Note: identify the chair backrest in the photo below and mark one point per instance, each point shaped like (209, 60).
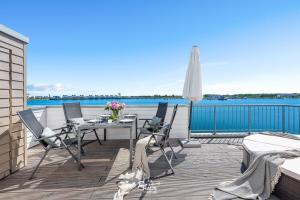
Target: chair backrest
(167, 130)
(162, 111)
(72, 110)
(34, 126)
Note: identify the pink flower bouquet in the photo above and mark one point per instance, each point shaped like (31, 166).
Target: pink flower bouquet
(115, 108)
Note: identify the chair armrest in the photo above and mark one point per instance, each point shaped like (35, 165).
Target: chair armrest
(61, 128)
(166, 125)
(72, 123)
(147, 119)
(42, 138)
(158, 134)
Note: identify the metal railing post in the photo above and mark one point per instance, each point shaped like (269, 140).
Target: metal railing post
(215, 120)
(299, 119)
(260, 118)
(283, 119)
(249, 119)
(294, 121)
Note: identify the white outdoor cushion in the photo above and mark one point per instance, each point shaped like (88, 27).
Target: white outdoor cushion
(263, 143)
(291, 168)
(48, 132)
(78, 121)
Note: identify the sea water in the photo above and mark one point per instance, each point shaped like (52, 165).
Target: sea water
(232, 115)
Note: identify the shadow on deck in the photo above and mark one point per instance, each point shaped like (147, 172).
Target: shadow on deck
(198, 171)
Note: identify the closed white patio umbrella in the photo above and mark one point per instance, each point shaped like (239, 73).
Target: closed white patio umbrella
(192, 90)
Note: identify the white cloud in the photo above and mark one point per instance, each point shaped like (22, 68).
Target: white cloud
(58, 87)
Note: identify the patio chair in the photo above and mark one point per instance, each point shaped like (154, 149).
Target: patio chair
(49, 140)
(74, 117)
(162, 139)
(153, 125)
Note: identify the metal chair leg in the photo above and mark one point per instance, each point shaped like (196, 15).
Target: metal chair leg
(83, 134)
(161, 147)
(40, 162)
(168, 143)
(82, 151)
(97, 137)
(167, 159)
(73, 156)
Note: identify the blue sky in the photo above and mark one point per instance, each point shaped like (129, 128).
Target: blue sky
(142, 47)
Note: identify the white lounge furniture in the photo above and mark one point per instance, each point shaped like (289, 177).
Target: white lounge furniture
(290, 179)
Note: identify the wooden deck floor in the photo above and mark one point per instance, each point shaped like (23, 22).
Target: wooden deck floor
(198, 170)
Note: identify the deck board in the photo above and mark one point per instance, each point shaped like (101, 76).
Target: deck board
(198, 171)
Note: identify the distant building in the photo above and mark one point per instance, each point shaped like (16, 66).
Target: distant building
(55, 97)
(287, 95)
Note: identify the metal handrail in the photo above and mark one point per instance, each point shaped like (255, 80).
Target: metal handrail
(245, 118)
(220, 105)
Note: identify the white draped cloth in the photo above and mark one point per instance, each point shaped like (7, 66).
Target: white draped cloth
(140, 170)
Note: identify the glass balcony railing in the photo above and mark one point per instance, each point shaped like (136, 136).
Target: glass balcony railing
(245, 118)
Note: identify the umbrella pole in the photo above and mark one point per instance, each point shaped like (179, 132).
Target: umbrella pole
(190, 120)
(188, 143)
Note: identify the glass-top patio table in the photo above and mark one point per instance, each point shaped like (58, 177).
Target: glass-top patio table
(105, 125)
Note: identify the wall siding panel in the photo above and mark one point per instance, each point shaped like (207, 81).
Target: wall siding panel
(12, 90)
(17, 101)
(4, 148)
(4, 167)
(17, 76)
(17, 85)
(16, 127)
(15, 51)
(4, 158)
(4, 112)
(4, 121)
(4, 84)
(17, 135)
(4, 103)
(12, 42)
(4, 94)
(17, 163)
(17, 93)
(3, 133)
(4, 75)
(4, 50)
(17, 60)
(4, 56)
(16, 109)
(17, 68)
(4, 66)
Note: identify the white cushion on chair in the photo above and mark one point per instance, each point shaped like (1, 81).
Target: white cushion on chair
(78, 121)
(47, 133)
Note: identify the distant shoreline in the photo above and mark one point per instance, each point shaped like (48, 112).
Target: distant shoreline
(206, 96)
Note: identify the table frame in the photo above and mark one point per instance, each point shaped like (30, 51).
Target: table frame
(105, 126)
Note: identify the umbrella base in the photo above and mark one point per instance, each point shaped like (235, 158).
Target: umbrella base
(192, 143)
